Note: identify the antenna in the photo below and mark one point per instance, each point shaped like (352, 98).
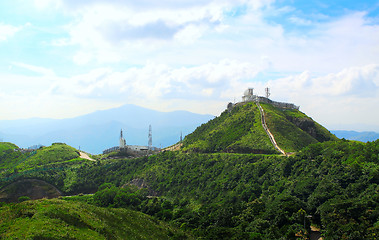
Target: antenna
(267, 90)
(150, 143)
(122, 140)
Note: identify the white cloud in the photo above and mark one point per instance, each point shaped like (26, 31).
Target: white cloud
(202, 33)
(337, 100)
(159, 81)
(46, 4)
(190, 34)
(300, 21)
(37, 69)
(112, 32)
(7, 31)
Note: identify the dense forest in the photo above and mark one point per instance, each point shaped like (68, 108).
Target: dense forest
(331, 185)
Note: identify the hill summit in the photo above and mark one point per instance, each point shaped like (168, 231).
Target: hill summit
(241, 129)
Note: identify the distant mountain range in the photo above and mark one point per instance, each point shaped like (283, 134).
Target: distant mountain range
(100, 130)
(359, 136)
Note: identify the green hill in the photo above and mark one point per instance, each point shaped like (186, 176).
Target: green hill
(241, 131)
(59, 219)
(44, 163)
(294, 130)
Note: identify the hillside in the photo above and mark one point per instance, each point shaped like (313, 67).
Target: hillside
(17, 164)
(242, 196)
(241, 131)
(294, 130)
(58, 219)
(237, 131)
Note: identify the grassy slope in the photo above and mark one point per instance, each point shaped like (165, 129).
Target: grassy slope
(55, 154)
(285, 125)
(307, 124)
(241, 131)
(237, 131)
(16, 165)
(6, 146)
(58, 219)
(8, 157)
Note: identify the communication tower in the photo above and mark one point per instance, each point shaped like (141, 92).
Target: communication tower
(181, 137)
(267, 90)
(150, 143)
(122, 141)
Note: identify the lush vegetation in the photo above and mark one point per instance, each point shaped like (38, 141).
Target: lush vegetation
(248, 196)
(43, 163)
(59, 219)
(293, 130)
(238, 131)
(269, 197)
(216, 188)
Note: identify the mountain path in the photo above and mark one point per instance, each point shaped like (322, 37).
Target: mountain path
(85, 156)
(175, 147)
(272, 139)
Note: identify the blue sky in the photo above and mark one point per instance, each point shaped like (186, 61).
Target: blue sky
(62, 59)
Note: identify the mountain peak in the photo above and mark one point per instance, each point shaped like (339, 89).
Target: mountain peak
(239, 129)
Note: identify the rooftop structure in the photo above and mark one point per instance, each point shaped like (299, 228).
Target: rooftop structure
(133, 149)
(249, 96)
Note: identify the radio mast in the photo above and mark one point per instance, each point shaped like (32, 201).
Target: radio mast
(267, 90)
(150, 143)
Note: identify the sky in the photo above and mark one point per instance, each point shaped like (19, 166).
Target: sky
(65, 58)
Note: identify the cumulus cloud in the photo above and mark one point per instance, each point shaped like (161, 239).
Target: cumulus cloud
(337, 100)
(333, 99)
(113, 31)
(159, 81)
(354, 81)
(190, 33)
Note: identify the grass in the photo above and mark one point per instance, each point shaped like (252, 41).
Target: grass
(287, 135)
(16, 162)
(59, 219)
(237, 131)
